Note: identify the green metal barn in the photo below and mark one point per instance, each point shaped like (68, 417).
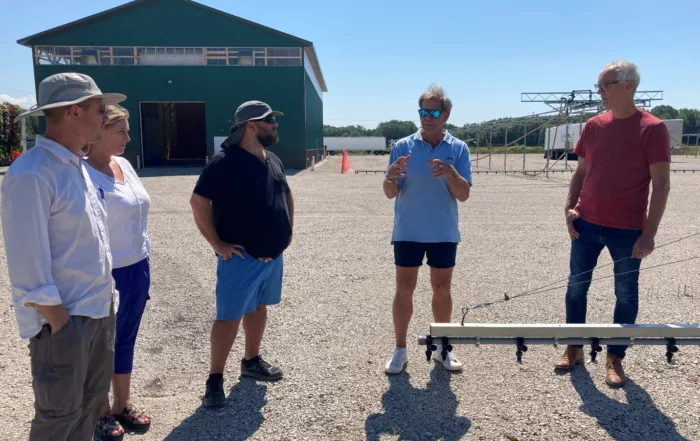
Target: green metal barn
(185, 68)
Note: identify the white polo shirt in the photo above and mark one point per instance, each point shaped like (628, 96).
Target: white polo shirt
(55, 237)
(127, 206)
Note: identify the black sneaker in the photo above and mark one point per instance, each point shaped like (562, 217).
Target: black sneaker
(214, 395)
(260, 369)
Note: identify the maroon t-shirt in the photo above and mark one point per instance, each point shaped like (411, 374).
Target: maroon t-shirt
(618, 153)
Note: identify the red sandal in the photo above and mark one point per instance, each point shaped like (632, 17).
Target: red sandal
(133, 420)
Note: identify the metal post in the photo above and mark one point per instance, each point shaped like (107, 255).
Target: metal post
(505, 150)
(524, 146)
(697, 137)
(548, 149)
(566, 148)
(490, 139)
(23, 141)
(580, 128)
(477, 148)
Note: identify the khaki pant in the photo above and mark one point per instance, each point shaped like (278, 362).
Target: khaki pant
(71, 373)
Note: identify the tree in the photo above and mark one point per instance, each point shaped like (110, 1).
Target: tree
(664, 112)
(395, 129)
(495, 130)
(691, 120)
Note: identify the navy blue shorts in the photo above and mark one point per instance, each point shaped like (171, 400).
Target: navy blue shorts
(133, 283)
(411, 254)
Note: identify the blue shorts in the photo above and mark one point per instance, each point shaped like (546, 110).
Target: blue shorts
(243, 284)
(411, 254)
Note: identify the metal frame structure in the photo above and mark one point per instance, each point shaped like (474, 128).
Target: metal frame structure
(522, 335)
(586, 101)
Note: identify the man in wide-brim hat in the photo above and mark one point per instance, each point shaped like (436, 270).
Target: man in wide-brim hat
(59, 260)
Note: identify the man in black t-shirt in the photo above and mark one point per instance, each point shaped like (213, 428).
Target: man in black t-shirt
(243, 207)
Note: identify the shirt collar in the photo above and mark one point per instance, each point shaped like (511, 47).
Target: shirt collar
(448, 138)
(59, 151)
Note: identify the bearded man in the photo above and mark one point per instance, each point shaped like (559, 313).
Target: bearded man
(243, 207)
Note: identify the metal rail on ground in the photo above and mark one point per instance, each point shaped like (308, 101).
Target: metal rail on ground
(495, 171)
(522, 335)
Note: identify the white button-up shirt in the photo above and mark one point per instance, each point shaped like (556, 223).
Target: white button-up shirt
(55, 237)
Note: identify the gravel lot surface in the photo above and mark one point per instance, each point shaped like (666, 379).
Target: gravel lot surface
(333, 333)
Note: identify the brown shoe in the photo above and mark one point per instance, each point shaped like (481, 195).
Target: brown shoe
(572, 356)
(614, 374)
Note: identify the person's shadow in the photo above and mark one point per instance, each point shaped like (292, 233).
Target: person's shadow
(239, 419)
(638, 419)
(419, 414)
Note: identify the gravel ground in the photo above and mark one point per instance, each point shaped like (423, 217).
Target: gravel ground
(332, 333)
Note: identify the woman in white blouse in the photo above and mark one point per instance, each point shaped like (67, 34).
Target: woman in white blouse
(127, 204)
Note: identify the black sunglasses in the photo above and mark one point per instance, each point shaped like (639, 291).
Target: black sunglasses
(270, 119)
(435, 113)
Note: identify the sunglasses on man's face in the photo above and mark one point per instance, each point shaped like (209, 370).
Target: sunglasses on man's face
(435, 113)
(269, 119)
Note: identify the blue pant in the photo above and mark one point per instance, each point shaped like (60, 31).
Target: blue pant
(584, 257)
(243, 284)
(133, 283)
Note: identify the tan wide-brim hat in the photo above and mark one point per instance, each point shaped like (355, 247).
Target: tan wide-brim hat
(67, 89)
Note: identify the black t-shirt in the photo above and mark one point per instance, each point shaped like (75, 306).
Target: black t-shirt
(249, 200)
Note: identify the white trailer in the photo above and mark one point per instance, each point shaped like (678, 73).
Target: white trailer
(560, 139)
(369, 144)
(675, 131)
(567, 136)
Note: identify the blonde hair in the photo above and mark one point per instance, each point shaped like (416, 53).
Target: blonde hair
(435, 92)
(115, 113)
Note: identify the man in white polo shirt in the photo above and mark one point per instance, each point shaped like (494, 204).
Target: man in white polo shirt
(59, 261)
(428, 173)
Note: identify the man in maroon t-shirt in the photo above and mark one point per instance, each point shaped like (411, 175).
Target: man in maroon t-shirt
(620, 152)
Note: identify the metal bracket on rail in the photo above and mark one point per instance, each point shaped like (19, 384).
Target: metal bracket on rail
(430, 347)
(595, 348)
(520, 342)
(671, 349)
(446, 347)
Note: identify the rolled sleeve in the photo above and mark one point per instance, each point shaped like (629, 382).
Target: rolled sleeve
(26, 208)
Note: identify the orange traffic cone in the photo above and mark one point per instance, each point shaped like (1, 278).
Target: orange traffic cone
(345, 166)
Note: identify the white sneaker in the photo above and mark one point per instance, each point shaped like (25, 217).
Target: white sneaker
(450, 363)
(398, 361)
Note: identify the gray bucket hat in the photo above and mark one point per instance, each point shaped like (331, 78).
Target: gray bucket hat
(67, 89)
(248, 111)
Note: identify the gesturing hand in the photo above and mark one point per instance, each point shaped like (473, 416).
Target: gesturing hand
(227, 250)
(398, 168)
(440, 169)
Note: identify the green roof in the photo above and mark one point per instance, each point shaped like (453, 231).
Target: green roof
(308, 46)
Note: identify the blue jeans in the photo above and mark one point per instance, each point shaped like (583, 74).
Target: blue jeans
(584, 257)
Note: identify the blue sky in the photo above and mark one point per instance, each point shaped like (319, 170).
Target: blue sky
(378, 56)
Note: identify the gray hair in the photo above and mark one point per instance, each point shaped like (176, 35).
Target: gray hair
(626, 71)
(435, 92)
